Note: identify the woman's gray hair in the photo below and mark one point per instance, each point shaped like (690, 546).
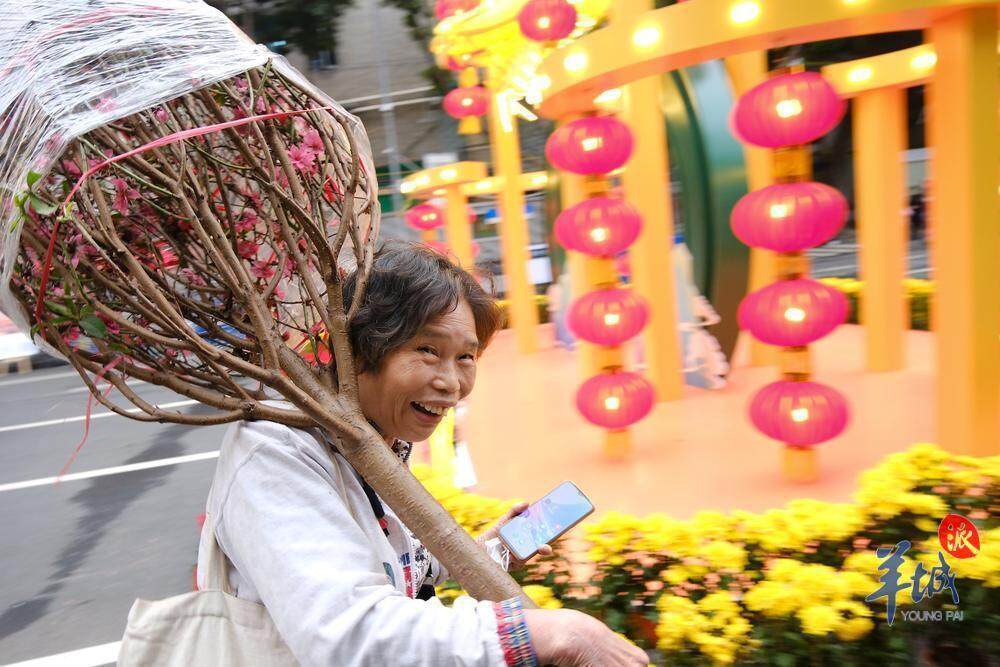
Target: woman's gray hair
(410, 284)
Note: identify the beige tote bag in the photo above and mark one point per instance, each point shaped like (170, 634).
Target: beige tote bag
(211, 627)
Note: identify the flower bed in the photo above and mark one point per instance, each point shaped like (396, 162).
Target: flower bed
(786, 586)
(918, 295)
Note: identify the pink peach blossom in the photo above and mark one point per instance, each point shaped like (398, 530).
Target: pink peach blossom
(302, 158)
(123, 193)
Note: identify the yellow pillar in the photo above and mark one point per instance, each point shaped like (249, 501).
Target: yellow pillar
(457, 228)
(513, 227)
(646, 181)
(879, 141)
(572, 190)
(966, 137)
(467, 78)
(442, 448)
(799, 464)
(746, 70)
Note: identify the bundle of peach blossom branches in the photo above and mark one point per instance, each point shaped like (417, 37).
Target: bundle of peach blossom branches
(198, 241)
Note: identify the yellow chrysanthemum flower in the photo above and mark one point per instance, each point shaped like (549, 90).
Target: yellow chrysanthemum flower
(542, 596)
(854, 629)
(724, 555)
(819, 619)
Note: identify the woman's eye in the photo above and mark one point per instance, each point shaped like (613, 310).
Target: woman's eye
(428, 350)
(468, 357)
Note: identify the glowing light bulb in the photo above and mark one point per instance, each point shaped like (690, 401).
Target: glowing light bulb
(800, 415)
(541, 179)
(591, 143)
(449, 174)
(406, 186)
(599, 234)
(788, 108)
(779, 210)
(466, 101)
(612, 319)
(925, 60)
(646, 36)
(794, 314)
(860, 74)
(609, 96)
(612, 403)
(440, 192)
(544, 22)
(575, 62)
(483, 185)
(744, 12)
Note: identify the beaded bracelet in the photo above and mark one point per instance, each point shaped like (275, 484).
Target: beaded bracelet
(513, 631)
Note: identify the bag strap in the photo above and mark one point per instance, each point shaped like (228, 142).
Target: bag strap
(217, 565)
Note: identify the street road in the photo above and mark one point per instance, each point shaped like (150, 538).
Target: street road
(838, 259)
(76, 554)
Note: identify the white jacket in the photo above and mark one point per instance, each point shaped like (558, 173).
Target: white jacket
(303, 540)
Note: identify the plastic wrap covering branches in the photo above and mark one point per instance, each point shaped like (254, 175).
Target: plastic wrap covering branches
(176, 196)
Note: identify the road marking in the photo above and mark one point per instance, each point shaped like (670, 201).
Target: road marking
(84, 657)
(116, 470)
(39, 378)
(80, 418)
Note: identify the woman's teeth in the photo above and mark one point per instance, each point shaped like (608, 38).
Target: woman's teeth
(430, 409)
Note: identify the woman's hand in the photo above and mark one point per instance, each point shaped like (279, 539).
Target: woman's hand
(569, 638)
(492, 531)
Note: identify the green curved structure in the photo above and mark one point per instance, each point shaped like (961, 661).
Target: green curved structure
(707, 164)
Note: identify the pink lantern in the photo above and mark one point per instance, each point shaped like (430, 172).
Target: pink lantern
(789, 217)
(443, 248)
(790, 313)
(616, 399)
(592, 145)
(468, 101)
(424, 217)
(787, 110)
(547, 20)
(799, 413)
(599, 226)
(445, 8)
(608, 317)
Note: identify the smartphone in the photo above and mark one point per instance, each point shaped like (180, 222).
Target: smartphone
(544, 520)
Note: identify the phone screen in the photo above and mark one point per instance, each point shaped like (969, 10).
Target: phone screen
(545, 519)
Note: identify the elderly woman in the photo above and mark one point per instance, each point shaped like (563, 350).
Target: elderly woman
(345, 582)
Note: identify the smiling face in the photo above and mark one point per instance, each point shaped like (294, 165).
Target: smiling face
(427, 375)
